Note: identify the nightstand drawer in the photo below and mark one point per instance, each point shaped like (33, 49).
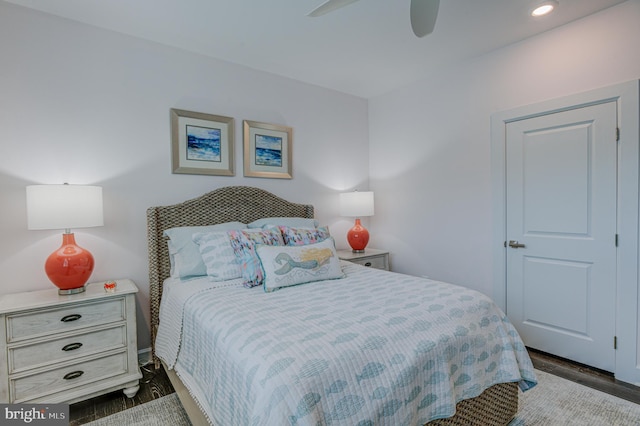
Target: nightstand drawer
(44, 322)
(49, 352)
(377, 262)
(371, 258)
(52, 381)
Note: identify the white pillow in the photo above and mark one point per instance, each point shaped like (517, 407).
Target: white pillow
(285, 266)
(218, 256)
(184, 253)
(294, 222)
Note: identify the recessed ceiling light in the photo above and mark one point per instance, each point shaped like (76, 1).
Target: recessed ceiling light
(544, 8)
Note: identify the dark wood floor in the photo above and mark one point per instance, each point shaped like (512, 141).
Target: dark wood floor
(585, 375)
(155, 384)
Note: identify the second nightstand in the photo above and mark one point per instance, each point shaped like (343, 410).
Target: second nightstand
(371, 257)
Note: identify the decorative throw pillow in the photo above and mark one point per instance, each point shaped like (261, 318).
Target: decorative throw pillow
(303, 236)
(218, 256)
(300, 222)
(184, 253)
(244, 244)
(291, 265)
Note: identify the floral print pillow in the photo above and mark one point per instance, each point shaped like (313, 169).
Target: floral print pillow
(303, 236)
(244, 244)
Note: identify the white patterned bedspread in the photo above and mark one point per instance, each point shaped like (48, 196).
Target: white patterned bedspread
(374, 348)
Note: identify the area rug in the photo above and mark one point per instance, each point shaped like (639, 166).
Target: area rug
(555, 401)
(164, 411)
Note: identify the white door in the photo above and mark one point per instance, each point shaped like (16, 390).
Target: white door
(561, 173)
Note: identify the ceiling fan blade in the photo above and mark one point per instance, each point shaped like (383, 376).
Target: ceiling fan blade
(423, 16)
(329, 6)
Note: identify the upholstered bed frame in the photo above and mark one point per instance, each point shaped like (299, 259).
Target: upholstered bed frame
(496, 406)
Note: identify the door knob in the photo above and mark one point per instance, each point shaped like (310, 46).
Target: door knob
(515, 244)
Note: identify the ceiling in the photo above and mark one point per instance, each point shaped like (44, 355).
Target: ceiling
(364, 49)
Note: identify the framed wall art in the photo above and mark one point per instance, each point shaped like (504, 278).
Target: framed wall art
(201, 143)
(267, 150)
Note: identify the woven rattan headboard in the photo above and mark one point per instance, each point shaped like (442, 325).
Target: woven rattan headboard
(233, 203)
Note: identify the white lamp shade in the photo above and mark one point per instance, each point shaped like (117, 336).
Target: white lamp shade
(356, 204)
(64, 206)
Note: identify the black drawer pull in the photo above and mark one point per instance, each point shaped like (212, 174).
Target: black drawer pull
(72, 347)
(69, 318)
(367, 264)
(73, 375)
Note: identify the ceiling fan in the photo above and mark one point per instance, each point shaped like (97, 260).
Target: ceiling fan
(423, 13)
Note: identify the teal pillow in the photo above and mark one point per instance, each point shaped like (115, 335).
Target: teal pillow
(184, 254)
(296, 222)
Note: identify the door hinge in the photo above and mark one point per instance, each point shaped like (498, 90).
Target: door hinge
(616, 240)
(617, 134)
(615, 342)
(505, 244)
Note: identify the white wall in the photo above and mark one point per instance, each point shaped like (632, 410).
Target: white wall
(87, 106)
(430, 143)
(84, 105)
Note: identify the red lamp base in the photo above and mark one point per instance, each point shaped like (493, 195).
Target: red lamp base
(70, 266)
(358, 237)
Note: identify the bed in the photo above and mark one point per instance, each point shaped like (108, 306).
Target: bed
(330, 351)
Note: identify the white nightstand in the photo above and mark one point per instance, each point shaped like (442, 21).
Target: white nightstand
(371, 257)
(64, 349)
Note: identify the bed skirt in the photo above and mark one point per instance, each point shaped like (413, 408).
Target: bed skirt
(496, 406)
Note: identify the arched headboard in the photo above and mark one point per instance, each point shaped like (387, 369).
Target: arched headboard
(232, 203)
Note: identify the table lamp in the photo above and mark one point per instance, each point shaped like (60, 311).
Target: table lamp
(65, 207)
(357, 204)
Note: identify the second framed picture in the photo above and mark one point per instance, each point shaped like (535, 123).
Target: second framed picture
(267, 150)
